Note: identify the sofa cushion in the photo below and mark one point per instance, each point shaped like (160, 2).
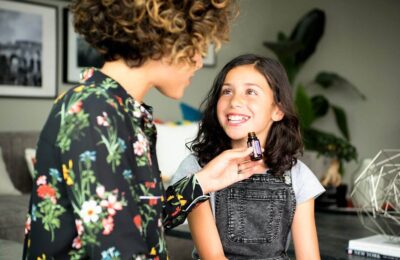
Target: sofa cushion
(30, 158)
(14, 209)
(171, 149)
(10, 250)
(6, 185)
(13, 145)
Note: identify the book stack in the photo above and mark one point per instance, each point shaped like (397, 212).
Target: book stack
(378, 246)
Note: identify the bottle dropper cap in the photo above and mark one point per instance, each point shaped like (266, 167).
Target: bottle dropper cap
(251, 134)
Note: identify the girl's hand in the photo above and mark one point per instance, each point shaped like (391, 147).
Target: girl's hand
(227, 168)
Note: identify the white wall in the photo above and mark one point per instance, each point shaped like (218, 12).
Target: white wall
(361, 43)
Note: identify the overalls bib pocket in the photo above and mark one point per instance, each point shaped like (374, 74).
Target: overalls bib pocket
(254, 215)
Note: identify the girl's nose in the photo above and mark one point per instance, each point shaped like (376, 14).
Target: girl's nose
(237, 100)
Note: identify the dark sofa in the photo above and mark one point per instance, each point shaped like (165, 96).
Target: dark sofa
(14, 208)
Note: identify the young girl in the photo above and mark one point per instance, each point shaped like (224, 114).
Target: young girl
(253, 218)
(97, 191)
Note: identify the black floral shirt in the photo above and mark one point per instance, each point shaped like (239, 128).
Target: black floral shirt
(97, 189)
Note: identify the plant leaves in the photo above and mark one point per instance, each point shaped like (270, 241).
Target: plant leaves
(341, 120)
(329, 145)
(320, 105)
(327, 79)
(293, 52)
(331, 79)
(285, 52)
(304, 107)
(284, 49)
(308, 32)
(282, 37)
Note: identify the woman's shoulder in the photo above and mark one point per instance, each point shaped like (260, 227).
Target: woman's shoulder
(84, 93)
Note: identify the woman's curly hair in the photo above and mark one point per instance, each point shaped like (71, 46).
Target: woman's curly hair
(283, 144)
(138, 30)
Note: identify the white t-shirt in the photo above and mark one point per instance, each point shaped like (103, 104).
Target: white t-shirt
(305, 185)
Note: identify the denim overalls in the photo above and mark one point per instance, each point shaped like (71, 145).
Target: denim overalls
(254, 217)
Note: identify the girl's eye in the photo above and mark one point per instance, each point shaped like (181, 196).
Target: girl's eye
(226, 91)
(251, 91)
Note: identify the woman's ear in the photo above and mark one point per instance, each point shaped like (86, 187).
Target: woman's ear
(277, 114)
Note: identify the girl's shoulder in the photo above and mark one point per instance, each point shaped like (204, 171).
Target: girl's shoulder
(300, 168)
(304, 182)
(301, 173)
(189, 162)
(188, 166)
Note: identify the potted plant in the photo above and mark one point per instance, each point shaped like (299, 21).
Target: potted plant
(293, 52)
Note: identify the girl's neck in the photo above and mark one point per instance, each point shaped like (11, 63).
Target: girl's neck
(242, 143)
(238, 143)
(136, 81)
(262, 168)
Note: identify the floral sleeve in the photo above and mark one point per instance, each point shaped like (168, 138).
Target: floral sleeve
(180, 199)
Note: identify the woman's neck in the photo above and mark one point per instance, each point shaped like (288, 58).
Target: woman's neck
(136, 81)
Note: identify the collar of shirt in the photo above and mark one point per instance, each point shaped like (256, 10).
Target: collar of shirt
(94, 75)
(142, 112)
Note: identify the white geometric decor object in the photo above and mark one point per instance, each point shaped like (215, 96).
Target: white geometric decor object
(376, 194)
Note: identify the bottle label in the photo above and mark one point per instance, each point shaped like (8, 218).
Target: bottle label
(256, 148)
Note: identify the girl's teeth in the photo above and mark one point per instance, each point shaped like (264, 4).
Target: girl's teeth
(237, 118)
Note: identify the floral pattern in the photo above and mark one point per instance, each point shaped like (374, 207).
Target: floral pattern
(97, 191)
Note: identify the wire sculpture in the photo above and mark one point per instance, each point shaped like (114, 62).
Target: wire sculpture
(376, 194)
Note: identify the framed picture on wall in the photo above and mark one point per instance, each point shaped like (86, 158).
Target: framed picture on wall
(28, 50)
(77, 53)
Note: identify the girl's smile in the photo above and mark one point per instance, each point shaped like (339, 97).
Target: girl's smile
(237, 119)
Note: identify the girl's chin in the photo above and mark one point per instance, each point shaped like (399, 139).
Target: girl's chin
(237, 137)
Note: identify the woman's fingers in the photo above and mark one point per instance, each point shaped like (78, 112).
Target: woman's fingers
(248, 165)
(245, 175)
(229, 167)
(239, 153)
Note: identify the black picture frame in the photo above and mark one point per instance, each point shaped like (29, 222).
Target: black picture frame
(77, 53)
(28, 50)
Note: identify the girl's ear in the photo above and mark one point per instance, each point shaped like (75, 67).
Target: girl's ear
(277, 114)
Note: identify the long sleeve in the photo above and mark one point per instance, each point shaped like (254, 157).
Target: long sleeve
(181, 197)
(184, 193)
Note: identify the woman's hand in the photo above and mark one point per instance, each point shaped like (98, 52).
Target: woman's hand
(227, 168)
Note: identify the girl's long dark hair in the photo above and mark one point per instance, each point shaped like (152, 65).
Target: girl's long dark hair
(283, 144)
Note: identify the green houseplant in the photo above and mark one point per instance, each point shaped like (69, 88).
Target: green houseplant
(293, 52)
